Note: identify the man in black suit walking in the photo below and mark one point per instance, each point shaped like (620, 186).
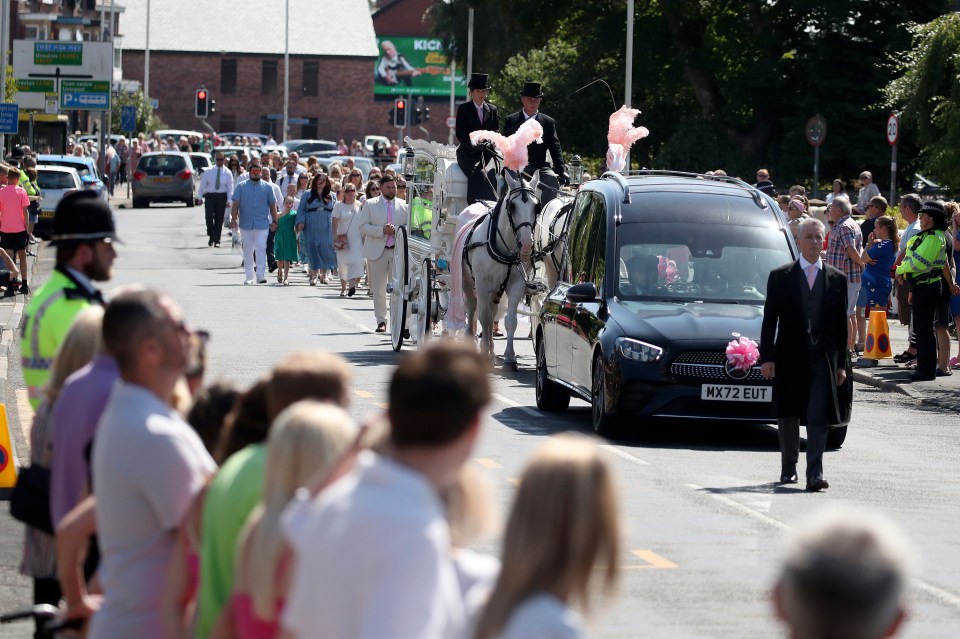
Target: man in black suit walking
(550, 177)
(803, 348)
(477, 115)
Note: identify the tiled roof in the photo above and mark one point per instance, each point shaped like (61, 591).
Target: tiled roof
(327, 28)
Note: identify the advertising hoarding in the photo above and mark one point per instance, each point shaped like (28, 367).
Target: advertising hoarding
(414, 66)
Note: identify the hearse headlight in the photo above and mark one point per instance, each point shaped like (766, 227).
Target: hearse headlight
(638, 351)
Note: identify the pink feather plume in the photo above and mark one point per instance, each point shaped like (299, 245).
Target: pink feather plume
(513, 148)
(621, 135)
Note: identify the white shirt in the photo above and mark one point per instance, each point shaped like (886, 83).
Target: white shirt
(912, 229)
(804, 264)
(283, 179)
(148, 466)
(372, 559)
(208, 182)
(543, 616)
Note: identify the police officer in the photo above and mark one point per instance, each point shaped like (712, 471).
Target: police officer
(550, 176)
(83, 235)
(476, 115)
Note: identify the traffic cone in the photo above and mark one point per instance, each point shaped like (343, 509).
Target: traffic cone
(9, 466)
(877, 344)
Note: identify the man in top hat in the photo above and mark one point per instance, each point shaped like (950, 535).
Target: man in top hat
(83, 235)
(550, 177)
(476, 115)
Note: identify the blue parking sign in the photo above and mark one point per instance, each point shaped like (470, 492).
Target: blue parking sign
(9, 118)
(128, 118)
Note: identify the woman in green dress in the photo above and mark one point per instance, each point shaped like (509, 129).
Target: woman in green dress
(285, 243)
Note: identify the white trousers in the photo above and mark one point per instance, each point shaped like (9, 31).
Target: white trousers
(379, 273)
(254, 247)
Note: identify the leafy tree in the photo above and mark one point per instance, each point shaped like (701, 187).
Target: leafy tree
(928, 93)
(146, 119)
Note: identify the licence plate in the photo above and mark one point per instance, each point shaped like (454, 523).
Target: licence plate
(725, 393)
(46, 213)
(162, 179)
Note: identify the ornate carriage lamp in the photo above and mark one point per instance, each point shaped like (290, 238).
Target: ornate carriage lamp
(576, 172)
(409, 164)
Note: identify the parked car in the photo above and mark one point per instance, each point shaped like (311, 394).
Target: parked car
(164, 176)
(928, 189)
(201, 162)
(176, 134)
(114, 138)
(231, 136)
(227, 151)
(370, 143)
(311, 147)
(54, 183)
(364, 164)
(278, 148)
(84, 165)
(637, 349)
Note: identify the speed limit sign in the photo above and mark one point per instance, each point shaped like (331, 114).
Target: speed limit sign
(893, 129)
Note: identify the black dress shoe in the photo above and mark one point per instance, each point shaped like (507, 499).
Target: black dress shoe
(943, 373)
(209, 242)
(788, 477)
(816, 485)
(921, 377)
(382, 327)
(216, 245)
(351, 291)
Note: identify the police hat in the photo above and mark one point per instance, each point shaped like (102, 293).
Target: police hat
(82, 217)
(937, 212)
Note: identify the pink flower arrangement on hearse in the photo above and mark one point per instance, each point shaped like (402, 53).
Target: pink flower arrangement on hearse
(621, 135)
(743, 353)
(667, 270)
(514, 147)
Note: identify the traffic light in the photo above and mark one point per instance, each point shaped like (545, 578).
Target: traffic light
(203, 103)
(399, 112)
(213, 107)
(390, 115)
(426, 113)
(418, 115)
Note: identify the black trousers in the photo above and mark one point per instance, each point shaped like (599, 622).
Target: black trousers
(818, 420)
(271, 260)
(215, 206)
(926, 298)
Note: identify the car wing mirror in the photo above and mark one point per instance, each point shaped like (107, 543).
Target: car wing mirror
(584, 292)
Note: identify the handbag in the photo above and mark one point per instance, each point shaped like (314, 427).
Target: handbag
(30, 501)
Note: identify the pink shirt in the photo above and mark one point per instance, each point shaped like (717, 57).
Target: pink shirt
(13, 199)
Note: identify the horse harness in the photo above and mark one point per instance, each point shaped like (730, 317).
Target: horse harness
(508, 260)
(563, 218)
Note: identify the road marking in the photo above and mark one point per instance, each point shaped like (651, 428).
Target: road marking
(510, 402)
(945, 597)
(654, 561)
(361, 393)
(486, 462)
(25, 415)
(624, 454)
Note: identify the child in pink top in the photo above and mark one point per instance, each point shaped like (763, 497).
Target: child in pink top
(13, 218)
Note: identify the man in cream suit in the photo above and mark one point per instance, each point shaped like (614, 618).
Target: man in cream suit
(378, 221)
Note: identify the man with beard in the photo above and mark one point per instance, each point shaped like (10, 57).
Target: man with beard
(255, 214)
(83, 234)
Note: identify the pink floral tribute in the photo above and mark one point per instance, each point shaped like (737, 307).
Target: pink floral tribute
(667, 270)
(621, 135)
(743, 353)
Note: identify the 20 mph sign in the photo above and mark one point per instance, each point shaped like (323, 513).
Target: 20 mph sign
(893, 129)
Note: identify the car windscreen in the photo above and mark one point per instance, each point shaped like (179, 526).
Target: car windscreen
(669, 261)
(81, 168)
(155, 164)
(55, 180)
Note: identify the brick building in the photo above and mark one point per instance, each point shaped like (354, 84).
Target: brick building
(235, 48)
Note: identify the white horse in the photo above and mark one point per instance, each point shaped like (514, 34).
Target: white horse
(497, 260)
(550, 237)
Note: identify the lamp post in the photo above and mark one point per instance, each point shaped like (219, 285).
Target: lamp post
(628, 70)
(146, 61)
(4, 19)
(286, 74)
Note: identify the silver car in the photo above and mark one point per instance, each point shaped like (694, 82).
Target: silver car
(164, 176)
(54, 182)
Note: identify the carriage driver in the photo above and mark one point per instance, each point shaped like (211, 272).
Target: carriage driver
(476, 115)
(550, 178)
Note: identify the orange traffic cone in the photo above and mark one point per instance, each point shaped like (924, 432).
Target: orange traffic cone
(877, 345)
(9, 466)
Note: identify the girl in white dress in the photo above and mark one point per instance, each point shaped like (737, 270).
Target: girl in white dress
(347, 241)
(545, 574)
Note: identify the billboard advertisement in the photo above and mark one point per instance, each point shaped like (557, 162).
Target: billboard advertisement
(414, 66)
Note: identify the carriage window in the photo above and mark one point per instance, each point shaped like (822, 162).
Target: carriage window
(421, 209)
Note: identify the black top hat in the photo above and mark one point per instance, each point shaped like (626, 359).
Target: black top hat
(479, 81)
(531, 90)
(937, 212)
(82, 217)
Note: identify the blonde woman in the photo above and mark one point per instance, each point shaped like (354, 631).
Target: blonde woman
(307, 438)
(567, 486)
(82, 341)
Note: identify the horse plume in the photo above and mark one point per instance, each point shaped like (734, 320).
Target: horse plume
(513, 148)
(621, 135)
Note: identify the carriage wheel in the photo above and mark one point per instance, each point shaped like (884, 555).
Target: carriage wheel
(425, 304)
(398, 290)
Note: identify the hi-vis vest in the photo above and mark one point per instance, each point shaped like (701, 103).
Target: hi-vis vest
(46, 321)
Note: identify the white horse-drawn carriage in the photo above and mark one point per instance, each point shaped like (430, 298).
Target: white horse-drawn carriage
(513, 250)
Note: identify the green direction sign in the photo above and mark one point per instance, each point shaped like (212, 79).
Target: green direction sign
(35, 86)
(84, 94)
(58, 53)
